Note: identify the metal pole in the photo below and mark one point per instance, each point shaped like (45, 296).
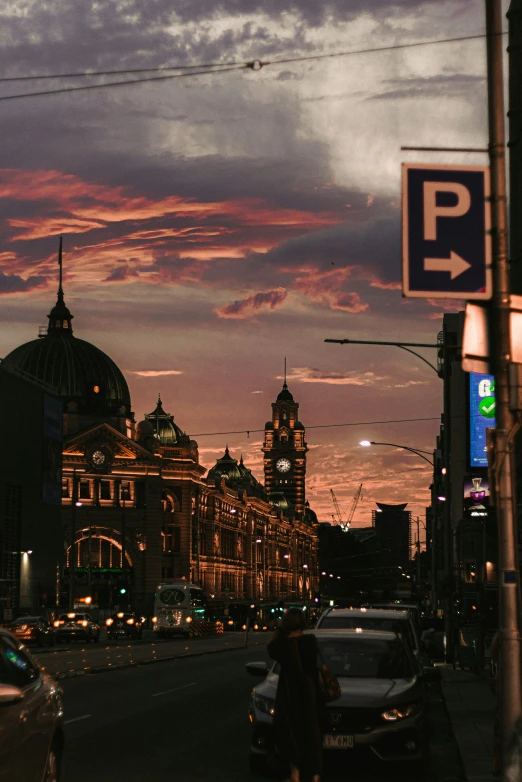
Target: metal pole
(418, 554)
(74, 495)
(89, 571)
(509, 690)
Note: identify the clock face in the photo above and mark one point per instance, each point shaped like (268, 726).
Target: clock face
(283, 465)
(98, 458)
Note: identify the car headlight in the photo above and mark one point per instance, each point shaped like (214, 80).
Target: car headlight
(130, 621)
(84, 623)
(109, 621)
(264, 704)
(400, 712)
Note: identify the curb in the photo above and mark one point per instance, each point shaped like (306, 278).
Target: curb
(122, 666)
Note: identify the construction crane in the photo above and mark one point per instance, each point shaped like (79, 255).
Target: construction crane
(356, 498)
(338, 516)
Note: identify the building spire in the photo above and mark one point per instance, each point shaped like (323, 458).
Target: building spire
(60, 264)
(60, 317)
(284, 384)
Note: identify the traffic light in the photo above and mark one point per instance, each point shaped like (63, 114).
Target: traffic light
(122, 590)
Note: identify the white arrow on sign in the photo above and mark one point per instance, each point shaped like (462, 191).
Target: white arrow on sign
(455, 265)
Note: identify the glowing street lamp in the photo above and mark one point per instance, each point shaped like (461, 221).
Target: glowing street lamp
(417, 451)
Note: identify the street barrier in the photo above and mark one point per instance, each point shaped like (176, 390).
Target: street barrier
(205, 629)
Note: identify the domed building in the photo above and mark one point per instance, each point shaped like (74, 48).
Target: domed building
(136, 508)
(90, 384)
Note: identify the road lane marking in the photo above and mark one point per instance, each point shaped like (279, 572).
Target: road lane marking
(77, 719)
(182, 687)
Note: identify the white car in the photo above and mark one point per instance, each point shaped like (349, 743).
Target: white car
(74, 625)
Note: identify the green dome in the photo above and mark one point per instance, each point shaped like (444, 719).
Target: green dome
(80, 372)
(164, 428)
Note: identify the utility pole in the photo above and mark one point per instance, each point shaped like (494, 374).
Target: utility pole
(418, 576)
(74, 495)
(509, 681)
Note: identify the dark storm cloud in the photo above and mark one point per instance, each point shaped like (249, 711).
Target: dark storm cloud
(441, 86)
(11, 283)
(252, 304)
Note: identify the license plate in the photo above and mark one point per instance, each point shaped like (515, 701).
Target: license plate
(338, 742)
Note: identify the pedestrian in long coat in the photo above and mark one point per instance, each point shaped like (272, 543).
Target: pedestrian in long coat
(298, 709)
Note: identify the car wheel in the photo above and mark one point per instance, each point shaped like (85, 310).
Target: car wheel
(52, 768)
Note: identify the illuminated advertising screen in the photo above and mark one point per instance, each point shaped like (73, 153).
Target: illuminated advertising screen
(481, 416)
(476, 496)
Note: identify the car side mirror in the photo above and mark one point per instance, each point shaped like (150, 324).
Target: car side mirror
(257, 669)
(10, 695)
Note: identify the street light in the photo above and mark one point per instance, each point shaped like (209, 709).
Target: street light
(404, 345)
(418, 451)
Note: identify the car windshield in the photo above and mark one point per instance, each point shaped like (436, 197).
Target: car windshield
(28, 620)
(371, 623)
(72, 617)
(366, 658)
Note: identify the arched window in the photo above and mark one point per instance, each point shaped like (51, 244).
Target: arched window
(58, 324)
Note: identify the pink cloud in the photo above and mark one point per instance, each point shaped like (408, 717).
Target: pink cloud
(154, 372)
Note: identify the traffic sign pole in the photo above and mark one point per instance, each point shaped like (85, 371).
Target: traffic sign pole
(502, 463)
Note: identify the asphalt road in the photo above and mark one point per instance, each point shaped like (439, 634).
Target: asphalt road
(186, 720)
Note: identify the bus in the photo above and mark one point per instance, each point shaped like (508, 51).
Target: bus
(176, 606)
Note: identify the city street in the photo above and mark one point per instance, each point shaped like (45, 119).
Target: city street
(187, 720)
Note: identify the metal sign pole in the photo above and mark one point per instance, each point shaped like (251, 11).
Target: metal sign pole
(509, 691)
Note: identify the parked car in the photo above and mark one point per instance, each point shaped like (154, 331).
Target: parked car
(32, 629)
(124, 625)
(377, 619)
(400, 606)
(31, 708)
(74, 625)
(382, 709)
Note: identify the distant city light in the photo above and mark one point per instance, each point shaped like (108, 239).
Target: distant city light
(441, 498)
(444, 471)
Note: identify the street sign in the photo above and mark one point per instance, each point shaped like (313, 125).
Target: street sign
(446, 242)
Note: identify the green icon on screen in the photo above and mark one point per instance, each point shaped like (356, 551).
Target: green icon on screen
(487, 407)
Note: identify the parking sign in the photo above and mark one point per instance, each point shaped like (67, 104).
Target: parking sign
(446, 242)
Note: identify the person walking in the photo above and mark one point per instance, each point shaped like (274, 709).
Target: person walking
(298, 708)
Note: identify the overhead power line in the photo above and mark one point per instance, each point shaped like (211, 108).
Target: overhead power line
(201, 70)
(248, 432)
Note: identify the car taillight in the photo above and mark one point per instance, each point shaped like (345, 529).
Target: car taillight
(130, 621)
(58, 622)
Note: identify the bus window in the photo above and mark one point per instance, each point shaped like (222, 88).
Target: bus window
(172, 597)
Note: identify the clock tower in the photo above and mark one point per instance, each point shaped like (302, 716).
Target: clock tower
(285, 454)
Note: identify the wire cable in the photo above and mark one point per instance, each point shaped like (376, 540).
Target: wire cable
(255, 65)
(248, 432)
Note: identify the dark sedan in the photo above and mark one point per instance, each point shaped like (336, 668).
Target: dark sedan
(32, 629)
(124, 625)
(382, 709)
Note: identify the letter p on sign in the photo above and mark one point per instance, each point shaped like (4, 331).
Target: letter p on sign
(446, 242)
(432, 211)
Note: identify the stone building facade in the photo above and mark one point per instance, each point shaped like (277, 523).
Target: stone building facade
(137, 508)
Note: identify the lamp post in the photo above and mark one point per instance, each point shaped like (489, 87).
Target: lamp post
(74, 504)
(417, 451)
(403, 345)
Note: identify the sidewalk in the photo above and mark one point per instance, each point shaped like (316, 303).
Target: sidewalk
(471, 707)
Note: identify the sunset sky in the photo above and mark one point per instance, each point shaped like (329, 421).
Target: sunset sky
(214, 224)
